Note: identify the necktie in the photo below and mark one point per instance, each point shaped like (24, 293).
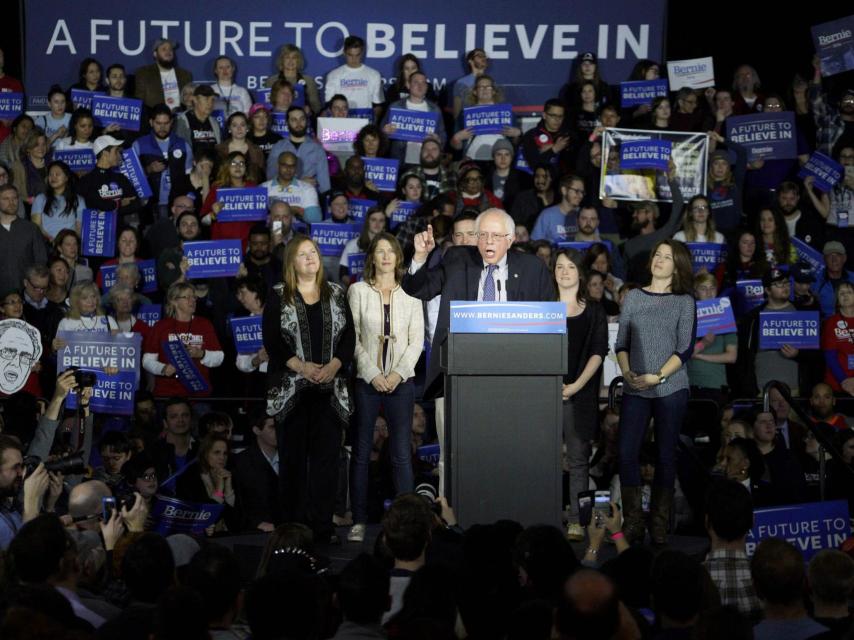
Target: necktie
(489, 284)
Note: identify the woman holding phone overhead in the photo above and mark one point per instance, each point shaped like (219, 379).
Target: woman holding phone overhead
(656, 338)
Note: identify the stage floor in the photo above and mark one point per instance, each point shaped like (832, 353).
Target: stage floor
(249, 548)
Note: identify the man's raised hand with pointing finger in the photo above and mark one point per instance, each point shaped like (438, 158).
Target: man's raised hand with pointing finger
(424, 244)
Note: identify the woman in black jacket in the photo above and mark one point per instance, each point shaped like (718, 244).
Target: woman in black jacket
(587, 332)
(208, 481)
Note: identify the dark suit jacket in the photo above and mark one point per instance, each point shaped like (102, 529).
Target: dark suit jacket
(257, 487)
(149, 88)
(457, 278)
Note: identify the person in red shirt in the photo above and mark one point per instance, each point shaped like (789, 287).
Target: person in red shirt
(232, 173)
(195, 332)
(837, 341)
(8, 84)
(470, 193)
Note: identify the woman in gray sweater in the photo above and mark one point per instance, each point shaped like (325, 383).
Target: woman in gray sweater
(658, 328)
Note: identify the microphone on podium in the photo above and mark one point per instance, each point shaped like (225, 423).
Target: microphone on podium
(498, 289)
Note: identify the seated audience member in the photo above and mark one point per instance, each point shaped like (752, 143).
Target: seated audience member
(779, 578)
(830, 575)
(729, 518)
(789, 430)
(560, 222)
(363, 597)
(214, 573)
(143, 474)
(256, 478)
(209, 481)
(785, 474)
(822, 405)
(176, 448)
(742, 461)
(115, 452)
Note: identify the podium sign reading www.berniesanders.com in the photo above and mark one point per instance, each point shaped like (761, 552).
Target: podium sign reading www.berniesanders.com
(810, 527)
(798, 329)
(507, 317)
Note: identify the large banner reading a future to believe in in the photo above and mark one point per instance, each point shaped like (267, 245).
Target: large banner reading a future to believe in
(531, 47)
(623, 177)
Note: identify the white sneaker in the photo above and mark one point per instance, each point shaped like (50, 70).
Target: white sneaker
(574, 532)
(357, 533)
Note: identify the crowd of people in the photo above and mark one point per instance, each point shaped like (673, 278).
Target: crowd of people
(327, 422)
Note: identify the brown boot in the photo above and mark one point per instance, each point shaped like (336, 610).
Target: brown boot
(633, 527)
(660, 508)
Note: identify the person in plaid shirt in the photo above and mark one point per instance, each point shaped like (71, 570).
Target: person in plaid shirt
(831, 122)
(729, 518)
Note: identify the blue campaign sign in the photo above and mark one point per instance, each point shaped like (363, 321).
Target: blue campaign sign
(82, 99)
(798, 329)
(11, 105)
(242, 204)
(279, 123)
(98, 233)
(834, 44)
(639, 92)
(147, 272)
(263, 96)
(332, 236)
(412, 126)
(809, 255)
(356, 266)
(825, 170)
(82, 160)
(382, 172)
(150, 314)
(767, 136)
(534, 48)
(357, 208)
(247, 334)
(715, 316)
(809, 527)
(645, 154)
(113, 394)
(749, 294)
(428, 453)
(100, 350)
(125, 112)
(572, 244)
(521, 163)
(706, 254)
(507, 317)
(186, 369)
(365, 113)
(299, 94)
(170, 515)
(403, 212)
(491, 118)
(132, 169)
(213, 258)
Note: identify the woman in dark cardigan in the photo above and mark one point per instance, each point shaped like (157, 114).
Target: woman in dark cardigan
(208, 481)
(587, 333)
(309, 338)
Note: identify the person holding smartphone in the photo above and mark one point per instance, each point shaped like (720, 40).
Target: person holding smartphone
(656, 338)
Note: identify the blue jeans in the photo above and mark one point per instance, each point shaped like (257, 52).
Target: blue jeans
(397, 408)
(669, 413)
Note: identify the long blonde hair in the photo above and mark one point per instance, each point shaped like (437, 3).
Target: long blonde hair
(289, 273)
(77, 292)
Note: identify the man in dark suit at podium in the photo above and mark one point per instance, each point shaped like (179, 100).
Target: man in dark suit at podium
(486, 272)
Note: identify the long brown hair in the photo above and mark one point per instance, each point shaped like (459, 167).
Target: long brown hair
(289, 274)
(371, 268)
(205, 447)
(578, 260)
(223, 176)
(682, 281)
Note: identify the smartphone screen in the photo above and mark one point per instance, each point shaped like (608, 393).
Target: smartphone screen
(277, 226)
(108, 506)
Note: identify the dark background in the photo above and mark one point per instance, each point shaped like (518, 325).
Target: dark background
(772, 36)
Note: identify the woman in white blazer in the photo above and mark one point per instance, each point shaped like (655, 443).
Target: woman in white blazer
(389, 327)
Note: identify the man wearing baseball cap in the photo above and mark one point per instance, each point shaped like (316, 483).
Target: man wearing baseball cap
(197, 126)
(803, 278)
(834, 273)
(104, 188)
(162, 81)
(757, 366)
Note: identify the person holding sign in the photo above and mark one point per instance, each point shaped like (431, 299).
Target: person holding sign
(407, 151)
(252, 295)
(371, 142)
(389, 327)
(309, 337)
(104, 188)
(67, 246)
(208, 481)
(360, 84)
(260, 133)
(837, 206)
(312, 167)
(82, 128)
(707, 366)
(238, 128)
(588, 330)
(479, 146)
(196, 333)
(56, 121)
(698, 225)
(58, 207)
(232, 174)
(658, 325)
(127, 246)
(837, 341)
